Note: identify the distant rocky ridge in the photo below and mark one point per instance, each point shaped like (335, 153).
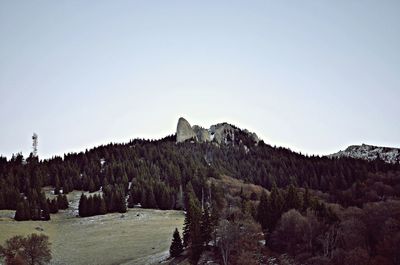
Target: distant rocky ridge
(221, 133)
(370, 152)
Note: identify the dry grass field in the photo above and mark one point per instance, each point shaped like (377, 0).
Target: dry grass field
(233, 185)
(140, 236)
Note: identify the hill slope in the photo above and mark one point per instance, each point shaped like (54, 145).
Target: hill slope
(370, 152)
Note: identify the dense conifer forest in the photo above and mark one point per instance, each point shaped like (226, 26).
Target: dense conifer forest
(316, 210)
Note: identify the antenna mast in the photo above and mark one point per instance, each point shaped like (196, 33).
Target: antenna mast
(34, 144)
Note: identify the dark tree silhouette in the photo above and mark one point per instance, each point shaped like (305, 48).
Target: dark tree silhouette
(176, 247)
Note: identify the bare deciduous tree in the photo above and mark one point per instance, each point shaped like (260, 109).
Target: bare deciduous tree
(33, 250)
(290, 231)
(330, 240)
(227, 233)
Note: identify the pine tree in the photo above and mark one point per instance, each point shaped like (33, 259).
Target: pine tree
(176, 247)
(46, 212)
(92, 187)
(90, 206)
(62, 202)
(196, 241)
(102, 208)
(306, 200)
(82, 208)
(205, 227)
(276, 202)
(264, 211)
(27, 210)
(292, 200)
(186, 231)
(151, 200)
(131, 202)
(53, 206)
(35, 211)
(121, 203)
(20, 212)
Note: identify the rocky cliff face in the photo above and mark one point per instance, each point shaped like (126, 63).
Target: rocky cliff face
(370, 152)
(222, 133)
(202, 134)
(184, 131)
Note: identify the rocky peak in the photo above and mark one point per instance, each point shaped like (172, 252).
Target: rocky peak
(184, 131)
(221, 134)
(370, 152)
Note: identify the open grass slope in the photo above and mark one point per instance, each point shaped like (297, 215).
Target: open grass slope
(140, 236)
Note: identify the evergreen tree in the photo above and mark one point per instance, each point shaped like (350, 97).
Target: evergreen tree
(150, 199)
(276, 206)
(186, 231)
(176, 247)
(46, 212)
(131, 202)
(82, 208)
(102, 208)
(121, 203)
(292, 200)
(62, 201)
(53, 206)
(20, 212)
(205, 227)
(91, 186)
(35, 211)
(306, 200)
(264, 211)
(195, 238)
(27, 210)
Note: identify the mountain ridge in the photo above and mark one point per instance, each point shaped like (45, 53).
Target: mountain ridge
(220, 133)
(370, 153)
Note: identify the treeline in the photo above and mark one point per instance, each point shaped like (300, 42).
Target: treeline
(297, 225)
(160, 171)
(272, 206)
(58, 203)
(37, 207)
(112, 200)
(313, 232)
(92, 205)
(201, 220)
(154, 195)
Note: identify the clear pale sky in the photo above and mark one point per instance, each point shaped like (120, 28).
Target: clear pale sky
(314, 76)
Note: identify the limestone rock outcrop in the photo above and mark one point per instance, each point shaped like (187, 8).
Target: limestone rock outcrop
(221, 134)
(184, 131)
(203, 135)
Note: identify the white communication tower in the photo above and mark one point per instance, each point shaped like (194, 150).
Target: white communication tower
(34, 144)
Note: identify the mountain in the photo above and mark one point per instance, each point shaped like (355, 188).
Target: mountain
(370, 152)
(226, 171)
(221, 134)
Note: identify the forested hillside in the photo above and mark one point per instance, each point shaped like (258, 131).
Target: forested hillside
(327, 195)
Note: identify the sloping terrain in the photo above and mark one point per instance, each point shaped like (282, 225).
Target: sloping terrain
(140, 236)
(370, 152)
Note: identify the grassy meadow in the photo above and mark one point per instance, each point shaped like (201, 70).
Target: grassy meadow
(140, 236)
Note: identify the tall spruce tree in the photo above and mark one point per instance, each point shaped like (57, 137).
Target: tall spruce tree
(102, 207)
(20, 212)
(176, 247)
(205, 227)
(196, 246)
(264, 211)
(306, 200)
(46, 212)
(82, 208)
(292, 200)
(276, 203)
